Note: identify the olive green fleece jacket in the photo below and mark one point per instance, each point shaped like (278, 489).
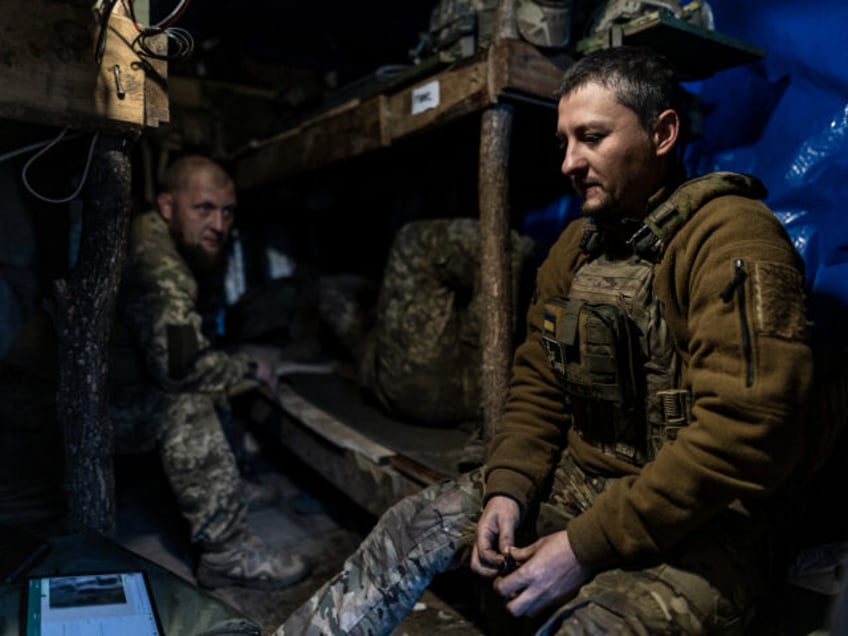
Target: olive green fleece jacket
(748, 394)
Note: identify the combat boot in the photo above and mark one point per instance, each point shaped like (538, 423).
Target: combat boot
(247, 561)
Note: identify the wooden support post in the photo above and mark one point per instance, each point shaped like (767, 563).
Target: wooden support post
(85, 303)
(496, 274)
(495, 260)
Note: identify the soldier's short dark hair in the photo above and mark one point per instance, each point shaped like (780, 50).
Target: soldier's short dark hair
(177, 175)
(641, 79)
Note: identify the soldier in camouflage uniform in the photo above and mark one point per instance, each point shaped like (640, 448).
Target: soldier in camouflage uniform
(654, 416)
(417, 347)
(421, 359)
(170, 384)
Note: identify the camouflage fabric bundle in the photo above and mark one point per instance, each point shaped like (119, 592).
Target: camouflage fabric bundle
(459, 28)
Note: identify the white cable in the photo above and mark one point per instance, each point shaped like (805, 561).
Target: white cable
(167, 20)
(32, 159)
(23, 149)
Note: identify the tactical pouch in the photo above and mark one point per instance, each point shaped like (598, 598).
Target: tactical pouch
(590, 346)
(459, 28)
(553, 334)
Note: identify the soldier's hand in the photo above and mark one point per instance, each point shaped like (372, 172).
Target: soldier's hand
(495, 536)
(549, 573)
(267, 359)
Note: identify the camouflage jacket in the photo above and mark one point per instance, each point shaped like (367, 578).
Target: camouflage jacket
(748, 369)
(159, 296)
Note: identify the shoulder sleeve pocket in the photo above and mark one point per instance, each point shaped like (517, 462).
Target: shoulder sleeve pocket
(779, 301)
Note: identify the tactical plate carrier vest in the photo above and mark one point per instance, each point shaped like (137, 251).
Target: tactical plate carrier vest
(612, 351)
(608, 342)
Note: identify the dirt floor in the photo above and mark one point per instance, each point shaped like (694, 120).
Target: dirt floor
(309, 517)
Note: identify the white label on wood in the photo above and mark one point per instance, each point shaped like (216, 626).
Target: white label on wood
(425, 97)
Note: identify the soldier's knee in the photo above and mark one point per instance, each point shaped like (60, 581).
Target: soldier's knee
(636, 602)
(444, 510)
(591, 619)
(610, 616)
(190, 407)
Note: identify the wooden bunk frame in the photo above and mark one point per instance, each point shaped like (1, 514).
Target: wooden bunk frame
(491, 83)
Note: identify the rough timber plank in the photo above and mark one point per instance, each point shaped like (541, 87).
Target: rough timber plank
(450, 94)
(512, 67)
(346, 131)
(375, 487)
(517, 67)
(330, 428)
(49, 74)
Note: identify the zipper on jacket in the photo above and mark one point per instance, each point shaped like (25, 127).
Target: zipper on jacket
(737, 285)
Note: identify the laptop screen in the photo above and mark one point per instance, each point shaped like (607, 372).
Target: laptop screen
(91, 604)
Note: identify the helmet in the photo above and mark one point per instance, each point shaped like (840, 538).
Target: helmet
(545, 23)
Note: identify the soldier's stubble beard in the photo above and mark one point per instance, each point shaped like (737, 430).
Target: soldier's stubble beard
(202, 264)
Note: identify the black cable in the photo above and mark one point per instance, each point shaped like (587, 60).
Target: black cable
(100, 49)
(180, 38)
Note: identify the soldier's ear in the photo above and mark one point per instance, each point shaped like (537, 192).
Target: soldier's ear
(665, 132)
(165, 203)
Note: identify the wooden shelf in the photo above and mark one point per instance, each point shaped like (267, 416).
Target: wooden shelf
(373, 472)
(696, 52)
(512, 70)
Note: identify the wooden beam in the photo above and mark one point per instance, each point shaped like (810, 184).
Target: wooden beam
(50, 74)
(331, 429)
(495, 246)
(517, 67)
(429, 103)
(469, 86)
(374, 487)
(345, 132)
(495, 262)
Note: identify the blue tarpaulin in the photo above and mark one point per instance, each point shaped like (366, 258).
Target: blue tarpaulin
(783, 119)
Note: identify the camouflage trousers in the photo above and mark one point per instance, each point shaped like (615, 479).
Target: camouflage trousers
(422, 358)
(708, 584)
(188, 431)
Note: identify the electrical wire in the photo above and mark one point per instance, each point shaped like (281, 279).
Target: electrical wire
(47, 147)
(33, 146)
(183, 43)
(181, 40)
(173, 16)
(100, 49)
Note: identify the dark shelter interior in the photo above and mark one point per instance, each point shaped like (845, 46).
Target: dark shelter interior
(341, 124)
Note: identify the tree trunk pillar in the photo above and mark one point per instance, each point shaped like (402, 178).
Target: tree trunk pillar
(495, 257)
(496, 274)
(85, 303)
